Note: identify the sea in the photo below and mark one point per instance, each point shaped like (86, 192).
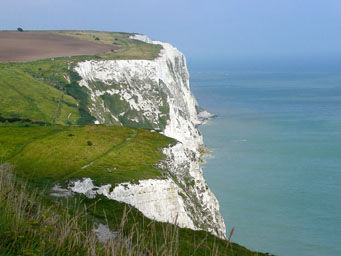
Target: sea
(275, 163)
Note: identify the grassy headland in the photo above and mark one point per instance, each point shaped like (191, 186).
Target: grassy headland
(61, 145)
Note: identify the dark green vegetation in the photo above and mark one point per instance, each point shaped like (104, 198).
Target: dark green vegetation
(46, 155)
(32, 223)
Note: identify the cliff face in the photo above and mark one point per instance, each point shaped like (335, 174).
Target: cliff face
(155, 94)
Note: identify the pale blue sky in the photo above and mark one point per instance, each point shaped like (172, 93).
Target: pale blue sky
(215, 28)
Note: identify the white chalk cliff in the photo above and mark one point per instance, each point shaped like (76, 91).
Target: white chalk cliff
(154, 94)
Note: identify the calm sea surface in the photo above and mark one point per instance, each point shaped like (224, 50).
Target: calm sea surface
(276, 169)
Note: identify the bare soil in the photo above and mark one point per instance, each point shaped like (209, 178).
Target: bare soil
(29, 46)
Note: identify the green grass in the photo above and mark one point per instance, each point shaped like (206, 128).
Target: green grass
(13, 138)
(188, 242)
(32, 223)
(49, 154)
(23, 97)
(45, 91)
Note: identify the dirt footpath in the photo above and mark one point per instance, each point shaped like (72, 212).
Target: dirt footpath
(28, 46)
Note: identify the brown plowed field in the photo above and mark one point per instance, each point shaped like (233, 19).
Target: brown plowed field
(28, 46)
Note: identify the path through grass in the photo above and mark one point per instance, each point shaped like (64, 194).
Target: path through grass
(116, 154)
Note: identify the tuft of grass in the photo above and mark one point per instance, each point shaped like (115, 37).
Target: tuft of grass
(32, 223)
(28, 226)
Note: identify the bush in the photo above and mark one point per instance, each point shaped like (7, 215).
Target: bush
(97, 38)
(20, 29)
(89, 143)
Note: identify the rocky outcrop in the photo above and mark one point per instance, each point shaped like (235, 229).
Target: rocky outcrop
(155, 94)
(200, 203)
(151, 94)
(156, 199)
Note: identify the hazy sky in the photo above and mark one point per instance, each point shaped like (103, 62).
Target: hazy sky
(215, 28)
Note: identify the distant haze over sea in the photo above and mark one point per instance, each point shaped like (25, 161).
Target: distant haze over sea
(300, 63)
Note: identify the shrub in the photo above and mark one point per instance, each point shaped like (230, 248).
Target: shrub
(89, 143)
(97, 38)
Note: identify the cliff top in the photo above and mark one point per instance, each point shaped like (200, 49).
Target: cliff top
(35, 45)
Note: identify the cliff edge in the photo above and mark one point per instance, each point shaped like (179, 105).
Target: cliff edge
(154, 94)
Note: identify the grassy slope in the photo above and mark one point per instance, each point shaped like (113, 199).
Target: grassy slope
(45, 155)
(24, 97)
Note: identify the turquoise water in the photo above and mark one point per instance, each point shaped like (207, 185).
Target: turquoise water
(276, 169)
